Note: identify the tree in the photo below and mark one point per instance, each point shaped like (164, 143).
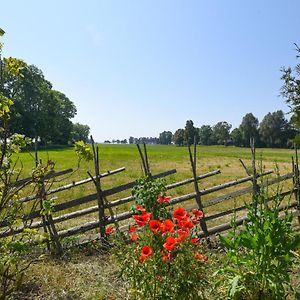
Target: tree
(131, 140)
(249, 129)
(179, 137)
(165, 138)
(205, 135)
(39, 111)
(236, 137)
(221, 132)
(291, 89)
(275, 130)
(80, 132)
(190, 133)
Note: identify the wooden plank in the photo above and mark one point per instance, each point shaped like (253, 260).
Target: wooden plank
(73, 184)
(240, 221)
(130, 185)
(170, 186)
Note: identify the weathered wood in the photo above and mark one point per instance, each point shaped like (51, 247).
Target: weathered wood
(168, 187)
(193, 162)
(239, 222)
(73, 184)
(232, 194)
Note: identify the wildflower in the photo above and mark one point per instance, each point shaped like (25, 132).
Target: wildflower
(146, 252)
(142, 220)
(170, 243)
(168, 226)
(163, 199)
(197, 255)
(132, 229)
(141, 209)
(134, 237)
(197, 213)
(179, 213)
(155, 226)
(185, 223)
(195, 241)
(109, 230)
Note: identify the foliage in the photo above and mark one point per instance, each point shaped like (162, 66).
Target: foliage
(261, 253)
(165, 259)
(190, 133)
(236, 137)
(291, 89)
(205, 135)
(83, 151)
(38, 111)
(178, 137)
(80, 132)
(249, 129)
(275, 130)
(165, 138)
(221, 132)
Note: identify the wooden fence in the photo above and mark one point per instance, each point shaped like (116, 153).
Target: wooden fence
(104, 208)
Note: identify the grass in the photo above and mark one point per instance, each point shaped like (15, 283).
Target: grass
(86, 274)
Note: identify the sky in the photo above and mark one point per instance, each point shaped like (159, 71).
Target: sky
(139, 67)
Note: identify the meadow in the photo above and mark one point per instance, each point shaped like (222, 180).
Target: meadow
(87, 273)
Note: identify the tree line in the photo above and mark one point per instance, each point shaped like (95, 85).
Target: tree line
(39, 111)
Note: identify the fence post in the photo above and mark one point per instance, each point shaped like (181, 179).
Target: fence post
(193, 161)
(101, 213)
(145, 162)
(296, 181)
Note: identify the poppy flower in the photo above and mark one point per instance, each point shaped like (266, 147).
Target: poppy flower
(147, 251)
(134, 237)
(195, 241)
(163, 199)
(179, 213)
(170, 243)
(197, 255)
(185, 223)
(168, 226)
(155, 226)
(132, 229)
(197, 213)
(141, 209)
(109, 230)
(205, 258)
(142, 220)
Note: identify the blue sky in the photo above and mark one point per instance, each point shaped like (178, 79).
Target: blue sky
(140, 67)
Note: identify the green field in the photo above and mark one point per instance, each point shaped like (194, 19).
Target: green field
(84, 273)
(161, 158)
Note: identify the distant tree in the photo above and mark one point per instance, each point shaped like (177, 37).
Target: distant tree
(190, 133)
(249, 129)
(179, 137)
(80, 132)
(291, 89)
(275, 130)
(221, 132)
(165, 138)
(236, 137)
(205, 133)
(131, 140)
(124, 141)
(106, 142)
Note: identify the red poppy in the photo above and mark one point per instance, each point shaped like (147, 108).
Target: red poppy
(155, 226)
(205, 258)
(147, 251)
(141, 209)
(109, 230)
(195, 241)
(132, 229)
(134, 237)
(168, 226)
(170, 243)
(184, 232)
(197, 255)
(185, 223)
(142, 259)
(197, 213)
(142, 220)
(163, 199)
(179, 213)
